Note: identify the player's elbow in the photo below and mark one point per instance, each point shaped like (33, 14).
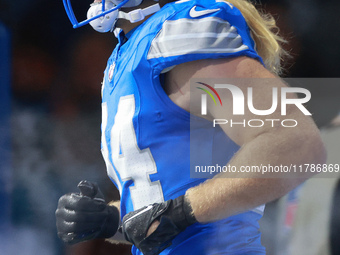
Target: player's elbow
(311, 151)
(315, 148)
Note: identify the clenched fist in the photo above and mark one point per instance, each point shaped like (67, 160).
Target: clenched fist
(85, 215)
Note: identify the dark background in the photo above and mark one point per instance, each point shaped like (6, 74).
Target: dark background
(54, 114)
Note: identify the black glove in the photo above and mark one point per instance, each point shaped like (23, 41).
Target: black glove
(174, 216)
(85, 215)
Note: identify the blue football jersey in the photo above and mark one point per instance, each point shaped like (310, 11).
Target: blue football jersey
(146, 137)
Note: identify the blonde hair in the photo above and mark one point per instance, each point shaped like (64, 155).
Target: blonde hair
(265, 34)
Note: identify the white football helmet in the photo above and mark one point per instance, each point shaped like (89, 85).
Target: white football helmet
(102, 15)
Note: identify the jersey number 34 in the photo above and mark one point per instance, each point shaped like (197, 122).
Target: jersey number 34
(130, 164)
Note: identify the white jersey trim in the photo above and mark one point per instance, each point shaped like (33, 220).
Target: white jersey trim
(190, 36)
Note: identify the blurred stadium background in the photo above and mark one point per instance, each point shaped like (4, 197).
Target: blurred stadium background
(50, 116)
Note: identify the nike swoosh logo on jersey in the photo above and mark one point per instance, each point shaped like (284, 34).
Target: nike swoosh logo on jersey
(194, 14)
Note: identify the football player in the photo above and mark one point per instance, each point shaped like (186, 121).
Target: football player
(146, 116)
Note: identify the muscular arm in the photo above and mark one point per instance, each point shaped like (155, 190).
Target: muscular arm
(220, 197)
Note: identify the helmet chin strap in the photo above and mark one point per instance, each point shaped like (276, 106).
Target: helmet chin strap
(135, 16)
(107, 23)
(139, 14)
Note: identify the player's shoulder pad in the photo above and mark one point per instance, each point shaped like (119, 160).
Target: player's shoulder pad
(200, 29)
